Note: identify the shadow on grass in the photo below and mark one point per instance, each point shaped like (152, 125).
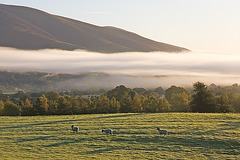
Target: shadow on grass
(65, 143)
(97, 151)
(36, 124)
(230, 146)
(35, 139)
(230, 125)
(63, 121)
(118, 116)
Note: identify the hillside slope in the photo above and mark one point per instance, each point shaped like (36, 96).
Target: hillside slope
(28, 28)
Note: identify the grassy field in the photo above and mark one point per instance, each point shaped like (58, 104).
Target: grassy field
(191, 136)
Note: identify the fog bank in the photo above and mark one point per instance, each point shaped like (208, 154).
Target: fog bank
(132, 69)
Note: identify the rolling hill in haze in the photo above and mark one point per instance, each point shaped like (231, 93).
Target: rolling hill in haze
(32, 29)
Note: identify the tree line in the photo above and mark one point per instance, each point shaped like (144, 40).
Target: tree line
(202, 99)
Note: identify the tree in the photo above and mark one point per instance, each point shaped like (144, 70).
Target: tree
(1, 107)
(64, 105)
(11, 109)
(102, 104)
(163, 104)
(53, 98)
(224, 104)
(136, 104)
(174, 90)
(86, 106)
(236, 103)
(125, 104)
(140, 90)
(149, 94)
(180, 102)
(44, 103)
(119, 92)
(114, 106)
(27, 108)
(160, 91)
(203, 100)
(72, 104)
(41, 105)
(152, 105)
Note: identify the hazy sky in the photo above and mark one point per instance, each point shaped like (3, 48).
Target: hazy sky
(200, 25)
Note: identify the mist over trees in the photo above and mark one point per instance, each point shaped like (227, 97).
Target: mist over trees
(201, 98)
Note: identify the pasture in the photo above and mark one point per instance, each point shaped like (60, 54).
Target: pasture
(191, 136)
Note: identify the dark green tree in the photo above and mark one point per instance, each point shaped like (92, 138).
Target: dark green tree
(41, 106)
(87, 106)
(203, 100)
(174, 90)
(224, 104)
(152, 105)
(119, 92)
(64, 105)
(102, 104)
(236, 103)
(53, 98)
(27, 108)
(11, 109)
(125, 104)
(114, 106)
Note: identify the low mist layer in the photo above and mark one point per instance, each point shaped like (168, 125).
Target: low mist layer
(132, 69)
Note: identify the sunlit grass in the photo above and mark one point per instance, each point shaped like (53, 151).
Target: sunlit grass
(191, 136)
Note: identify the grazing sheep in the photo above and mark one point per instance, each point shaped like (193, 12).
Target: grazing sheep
(75, 129)
(162, 131)
(108, 131)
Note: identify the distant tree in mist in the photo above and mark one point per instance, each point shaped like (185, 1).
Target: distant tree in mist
(160, 90)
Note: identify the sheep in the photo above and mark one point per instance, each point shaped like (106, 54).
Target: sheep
(162, 131)
(75, 129)
(108, 131)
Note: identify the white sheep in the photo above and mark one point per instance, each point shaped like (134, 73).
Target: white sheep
(75, 129)
(108, 131)
(162, 131)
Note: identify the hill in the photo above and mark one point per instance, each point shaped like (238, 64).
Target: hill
(32, 29)
(42, 81)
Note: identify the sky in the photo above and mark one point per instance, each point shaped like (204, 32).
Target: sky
(202, 26)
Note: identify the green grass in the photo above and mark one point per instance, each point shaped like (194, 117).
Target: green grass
(191, 136)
